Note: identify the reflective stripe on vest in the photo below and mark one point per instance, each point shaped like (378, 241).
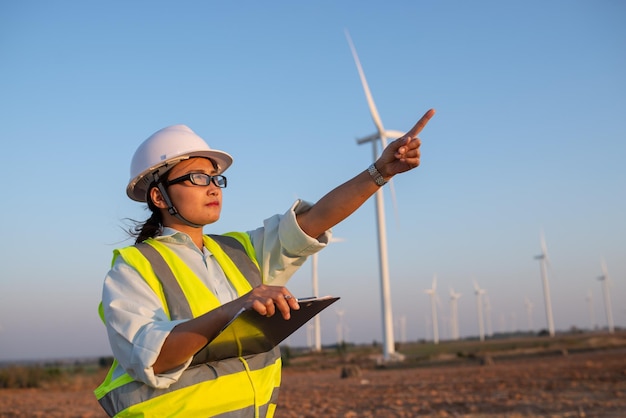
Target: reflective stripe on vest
(228, 388)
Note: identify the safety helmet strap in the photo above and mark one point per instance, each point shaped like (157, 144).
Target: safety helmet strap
(170, 206)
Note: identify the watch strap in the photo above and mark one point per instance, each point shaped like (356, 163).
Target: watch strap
(376, 176)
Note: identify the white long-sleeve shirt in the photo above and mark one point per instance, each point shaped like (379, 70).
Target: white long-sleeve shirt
(136, 323)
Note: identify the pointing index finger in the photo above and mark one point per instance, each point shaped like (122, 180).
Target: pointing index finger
(421, 124)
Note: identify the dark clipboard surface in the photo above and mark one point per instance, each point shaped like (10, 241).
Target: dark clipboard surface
(252, 333)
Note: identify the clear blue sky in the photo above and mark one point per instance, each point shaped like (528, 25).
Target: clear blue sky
(529, 135)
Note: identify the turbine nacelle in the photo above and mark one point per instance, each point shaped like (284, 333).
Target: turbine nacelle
(605, 273)
(454, 295)
(374, 137)
(478, 290)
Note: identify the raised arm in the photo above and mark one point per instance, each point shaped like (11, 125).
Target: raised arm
(401, 155)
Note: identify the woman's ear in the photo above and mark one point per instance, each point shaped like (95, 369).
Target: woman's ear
(157, 198)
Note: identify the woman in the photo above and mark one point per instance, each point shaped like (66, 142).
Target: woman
(168, 296)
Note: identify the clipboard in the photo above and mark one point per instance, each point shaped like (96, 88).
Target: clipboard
(251, 333)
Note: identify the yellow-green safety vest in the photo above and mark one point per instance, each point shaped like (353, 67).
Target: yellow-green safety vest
(235, 387)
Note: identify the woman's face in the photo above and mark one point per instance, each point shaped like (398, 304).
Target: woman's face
(198, 204)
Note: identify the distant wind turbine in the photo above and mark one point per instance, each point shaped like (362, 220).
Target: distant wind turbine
(488, 324)
(340, 329)
(543, 258)
(402, 328)
(382, 135)
(479, 308)
(454, 313)
(432, 293)
(314, 279)
(592, 314)
(607, 297)
(529, 312)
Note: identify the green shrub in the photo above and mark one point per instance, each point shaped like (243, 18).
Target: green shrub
(21, 377)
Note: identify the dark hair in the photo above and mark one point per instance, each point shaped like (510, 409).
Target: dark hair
(152, 226)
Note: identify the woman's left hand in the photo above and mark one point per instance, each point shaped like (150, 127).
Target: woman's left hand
(403, 154)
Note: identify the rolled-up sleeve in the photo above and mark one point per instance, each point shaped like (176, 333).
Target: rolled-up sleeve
(282, 247)
(137, 326)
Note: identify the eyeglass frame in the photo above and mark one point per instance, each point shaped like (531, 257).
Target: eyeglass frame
(190, 176)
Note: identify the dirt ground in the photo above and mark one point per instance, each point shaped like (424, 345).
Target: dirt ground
(591, 384)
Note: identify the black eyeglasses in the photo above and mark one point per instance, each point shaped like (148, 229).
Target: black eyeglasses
(199, 179)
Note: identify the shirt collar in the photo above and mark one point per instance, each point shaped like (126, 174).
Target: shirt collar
(174, 236)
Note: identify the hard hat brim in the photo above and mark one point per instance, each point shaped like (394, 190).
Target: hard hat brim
(137, 188)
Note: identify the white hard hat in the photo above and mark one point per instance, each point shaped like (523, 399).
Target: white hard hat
(163, 150)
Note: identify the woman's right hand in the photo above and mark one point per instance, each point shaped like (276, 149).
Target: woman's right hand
(267, 299)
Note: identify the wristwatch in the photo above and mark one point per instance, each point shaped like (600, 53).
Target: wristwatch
(376, 176)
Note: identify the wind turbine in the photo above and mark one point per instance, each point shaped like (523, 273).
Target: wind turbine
(543, 257)
(592, 314)
(432, 293)
(529, 312)
(489, 325)
(607, 297)
(402, 328)
(479, 308)
(317, 333)
(454, 313)
(382, 135)
(340, 337)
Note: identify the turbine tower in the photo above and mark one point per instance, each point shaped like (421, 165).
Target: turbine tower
(454, 313)
(592, 314)
(543, 258)
(529, 312)
(432, 293)
(317, 333)
(479, 308)
(488, 323)
(402, 328)
(607, 297)
(382, 135)
(340, 328)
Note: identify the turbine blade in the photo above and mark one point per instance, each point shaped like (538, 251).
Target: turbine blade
(605, 272)
(368, 94)
(391, 134)
(544, 252)
(369, 138)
